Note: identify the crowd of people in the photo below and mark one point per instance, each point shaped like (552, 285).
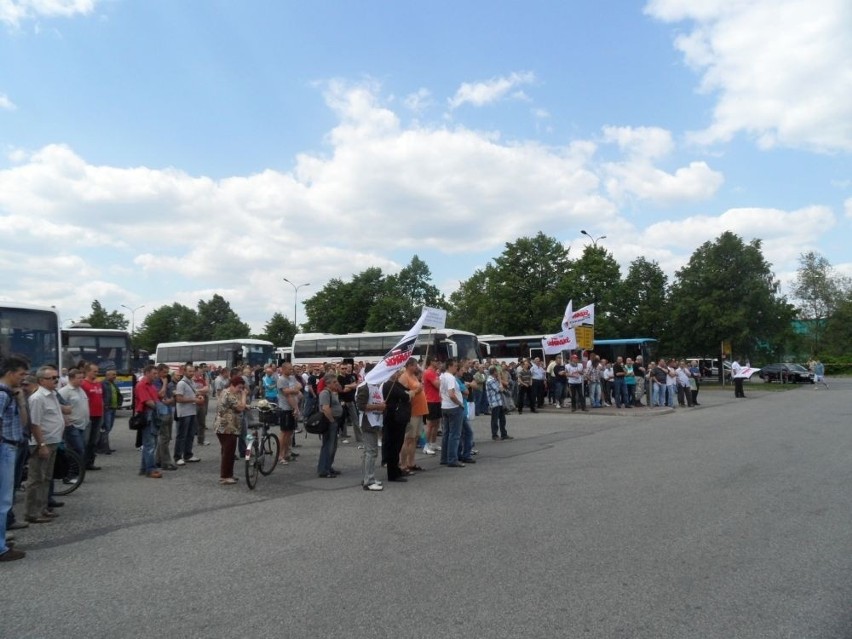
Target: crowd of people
(425, 405)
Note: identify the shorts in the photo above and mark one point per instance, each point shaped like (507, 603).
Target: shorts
(434, 411)
(287, 421)
(412, 429)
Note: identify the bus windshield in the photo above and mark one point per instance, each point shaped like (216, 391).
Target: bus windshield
(30, 333)
(107, 351)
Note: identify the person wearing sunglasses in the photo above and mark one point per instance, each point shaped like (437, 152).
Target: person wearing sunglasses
(47, 428)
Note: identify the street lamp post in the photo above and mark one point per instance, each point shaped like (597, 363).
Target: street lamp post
(295, 299)
(133, 319)
(593, 239)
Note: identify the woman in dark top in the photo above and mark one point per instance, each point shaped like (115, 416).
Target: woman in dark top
(397, 414)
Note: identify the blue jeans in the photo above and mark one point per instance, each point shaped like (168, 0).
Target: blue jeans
(558, 390)
(183, 439)
(595, 394)
(149, 444)
(109, 420)
(466, 439)
(671, 392)
(328, 450)
(76, 439)
(20, 463)
(451, 434)
(619, 391)
(659, 394)
(8, 454)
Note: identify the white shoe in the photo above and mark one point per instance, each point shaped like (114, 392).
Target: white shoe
(194, 459)
(437, 448)
(374, 487)
(180, 462)
(429, 451)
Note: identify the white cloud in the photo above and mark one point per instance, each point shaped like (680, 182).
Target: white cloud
(847, 205)
(6, 104)
(13, 12)
(780, 68)
(418, 101)
(486, 92)
(636, 176)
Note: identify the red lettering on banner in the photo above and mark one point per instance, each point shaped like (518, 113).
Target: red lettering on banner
(395, 359)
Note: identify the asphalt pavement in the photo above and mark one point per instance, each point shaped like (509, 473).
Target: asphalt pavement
(731, 519)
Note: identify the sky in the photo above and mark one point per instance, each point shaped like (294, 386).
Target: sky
(160, 151)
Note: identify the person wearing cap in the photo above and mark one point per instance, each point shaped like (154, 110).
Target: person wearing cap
(227, 425)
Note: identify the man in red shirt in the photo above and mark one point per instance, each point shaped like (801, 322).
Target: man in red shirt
(146, 403)
(95, 392)
(431, 386)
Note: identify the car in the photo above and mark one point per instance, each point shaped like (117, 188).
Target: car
(786, 372)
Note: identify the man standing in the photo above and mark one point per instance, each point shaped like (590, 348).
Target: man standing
(165, 408)
(497, 404)
(451, 410)
(12, 372)
(738, 381)
(819, 375)
(112, 402)
(289, 391)
(371, 405)
(329, 404)
(348, 383)
(47, 426)
(576, 372)
(146, 403)
(525, 388)
(95, 392)
(539, 374)
(186, 405)
(78, 421)
(431, 386)
(202, 388)
(419, 409)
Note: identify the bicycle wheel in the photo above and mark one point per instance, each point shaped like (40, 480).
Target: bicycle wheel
(69, 471)
(268, 454)
(253, 466)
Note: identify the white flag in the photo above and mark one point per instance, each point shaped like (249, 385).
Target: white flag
(555, 344)
(566, 319)
(585, 315)
(398, 355)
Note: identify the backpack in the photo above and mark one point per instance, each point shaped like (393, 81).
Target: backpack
(317, 423)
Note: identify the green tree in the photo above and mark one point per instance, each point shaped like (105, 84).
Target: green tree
(837, 338)
(818, 290)
(524, 292)
(727, 291)
(279, 330)
(216, 320)
(344, 307)
(641, 309)
(403, 297)
(101, 318)
(171, 323)
(596, 279)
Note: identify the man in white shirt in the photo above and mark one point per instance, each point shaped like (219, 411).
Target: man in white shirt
(451, 411)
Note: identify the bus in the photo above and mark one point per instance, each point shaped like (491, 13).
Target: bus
(517, 347)
(31, 332)
(444, 343)
(283, 354)
(140, 359)
(106, 347)
(227, 353)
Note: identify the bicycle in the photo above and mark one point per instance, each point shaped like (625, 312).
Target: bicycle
(69, 470)
(261, 445)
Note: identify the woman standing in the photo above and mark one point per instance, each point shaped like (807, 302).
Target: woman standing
(231, 404)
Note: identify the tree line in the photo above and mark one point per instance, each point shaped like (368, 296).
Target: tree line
(726, 292)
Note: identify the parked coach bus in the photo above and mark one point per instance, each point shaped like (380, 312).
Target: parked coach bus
(318, 348)
(106, 347)
(511, 349)
(31, 332)
(222, 353)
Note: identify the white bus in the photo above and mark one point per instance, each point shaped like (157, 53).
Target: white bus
(284, 354)
(106, 347)
(443, 343)
(31, 332)
(226, 353)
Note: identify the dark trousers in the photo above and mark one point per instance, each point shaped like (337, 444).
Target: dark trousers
(229, 447)
(526, 393)
(183, 439)
(538, 392)
(498, 421)
(392, 438)
(738, 387)
(578, 399)
(94, 436)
